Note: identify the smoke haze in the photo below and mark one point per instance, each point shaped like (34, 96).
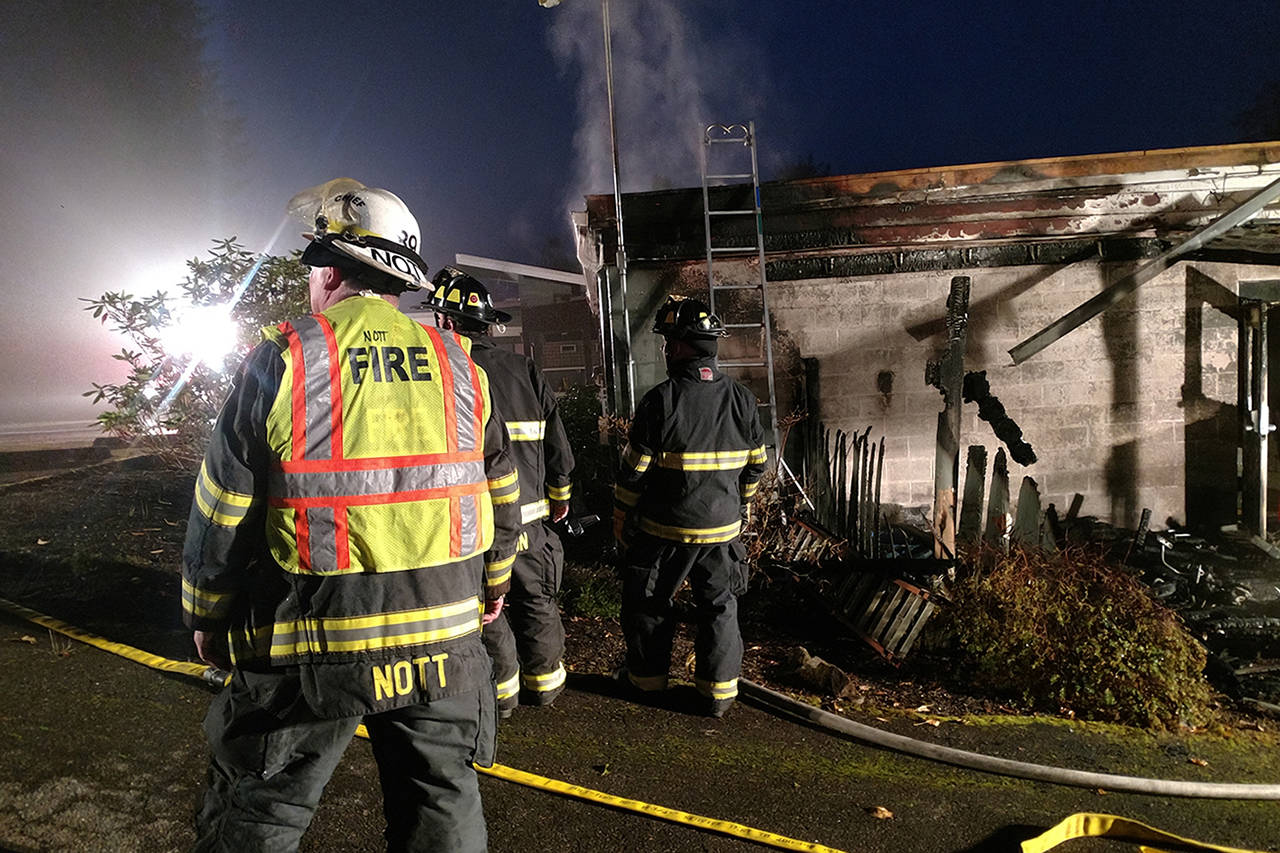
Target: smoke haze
(136, 132)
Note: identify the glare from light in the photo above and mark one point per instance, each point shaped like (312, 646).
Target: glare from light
(204, 333)
(235, 298)
(163, 278)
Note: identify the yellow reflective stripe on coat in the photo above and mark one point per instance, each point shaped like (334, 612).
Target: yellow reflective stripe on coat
(221, 506)
(1090, 825)
(625, 496)
(714, 460)
(526, 430)
(717, 689)
(499, 571)
(691, 535)
(318, 635)
(533, 511)
(544, 683)
(505, 489)
(205, 603)
(636, 460)
(510, 687)
(559, 493)
(758, 455)
(748, 490)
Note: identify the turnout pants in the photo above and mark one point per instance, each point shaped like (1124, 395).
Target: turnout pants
(526, 641)
(266, 773)
(653, 571)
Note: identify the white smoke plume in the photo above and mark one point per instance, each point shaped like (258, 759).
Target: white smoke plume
(670, 79)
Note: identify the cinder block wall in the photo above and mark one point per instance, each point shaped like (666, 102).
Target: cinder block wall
(1134, 409)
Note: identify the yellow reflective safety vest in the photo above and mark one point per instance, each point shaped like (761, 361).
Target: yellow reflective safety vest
(367, 480)
(353, 495)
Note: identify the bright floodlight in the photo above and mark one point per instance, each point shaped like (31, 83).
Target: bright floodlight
(203, 332)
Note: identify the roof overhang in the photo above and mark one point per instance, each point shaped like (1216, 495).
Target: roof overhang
(981, 214)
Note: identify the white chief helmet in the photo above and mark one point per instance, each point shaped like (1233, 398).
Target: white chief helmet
(369, 225)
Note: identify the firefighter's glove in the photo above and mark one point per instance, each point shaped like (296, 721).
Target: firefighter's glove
(492, 609)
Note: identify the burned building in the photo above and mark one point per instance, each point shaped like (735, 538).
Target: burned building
(1119, 305)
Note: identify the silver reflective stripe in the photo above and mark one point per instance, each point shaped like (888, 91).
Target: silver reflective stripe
(375, 481)
(464, 393)
(322, 539)
(526, 430)
(315, 357)
(470, 520)
(534, 511)
(356, 634)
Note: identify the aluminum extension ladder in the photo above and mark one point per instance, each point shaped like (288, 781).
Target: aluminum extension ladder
(728, 234)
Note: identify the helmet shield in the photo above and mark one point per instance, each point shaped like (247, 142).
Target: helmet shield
(460, 295)
(680, 317)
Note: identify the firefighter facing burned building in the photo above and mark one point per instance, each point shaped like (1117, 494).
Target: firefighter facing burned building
(692, 463)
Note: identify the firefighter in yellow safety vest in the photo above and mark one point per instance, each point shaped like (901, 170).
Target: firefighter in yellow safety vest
(354, 524)
(527, 640)
(692, 464)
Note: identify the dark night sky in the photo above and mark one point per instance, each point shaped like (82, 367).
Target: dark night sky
(489, 120)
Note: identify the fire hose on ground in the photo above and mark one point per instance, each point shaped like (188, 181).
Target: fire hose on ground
(1075, 826)
(1004, 766)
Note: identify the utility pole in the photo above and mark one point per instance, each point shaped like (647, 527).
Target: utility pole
(629, 394)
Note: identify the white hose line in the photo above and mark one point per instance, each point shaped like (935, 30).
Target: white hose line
(1004, 766)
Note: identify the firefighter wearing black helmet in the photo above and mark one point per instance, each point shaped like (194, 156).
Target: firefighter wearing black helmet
(526, 641)
(693, 461)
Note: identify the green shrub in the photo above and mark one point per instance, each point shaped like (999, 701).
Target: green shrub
(580, 410)
(1071, 633)
(591, 590)
(167, 402)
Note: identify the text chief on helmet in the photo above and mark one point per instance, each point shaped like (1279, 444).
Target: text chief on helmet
(365, 231)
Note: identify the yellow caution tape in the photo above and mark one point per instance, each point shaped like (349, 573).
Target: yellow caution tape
(1081, 825)
(555, 786)
(217, 676)
(1089, 825)
(661, 812)
(202, 671)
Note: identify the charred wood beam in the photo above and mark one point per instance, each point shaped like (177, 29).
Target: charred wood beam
(997, 529)
(1091, 308)
(837, 259)
(974, 489)
(978, 390)
(1026, 524)
(947, 375)
(1237, 256)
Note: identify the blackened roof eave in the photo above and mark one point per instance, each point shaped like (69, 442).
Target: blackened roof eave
(799, 266)
(929, 210)
(1072, 170)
